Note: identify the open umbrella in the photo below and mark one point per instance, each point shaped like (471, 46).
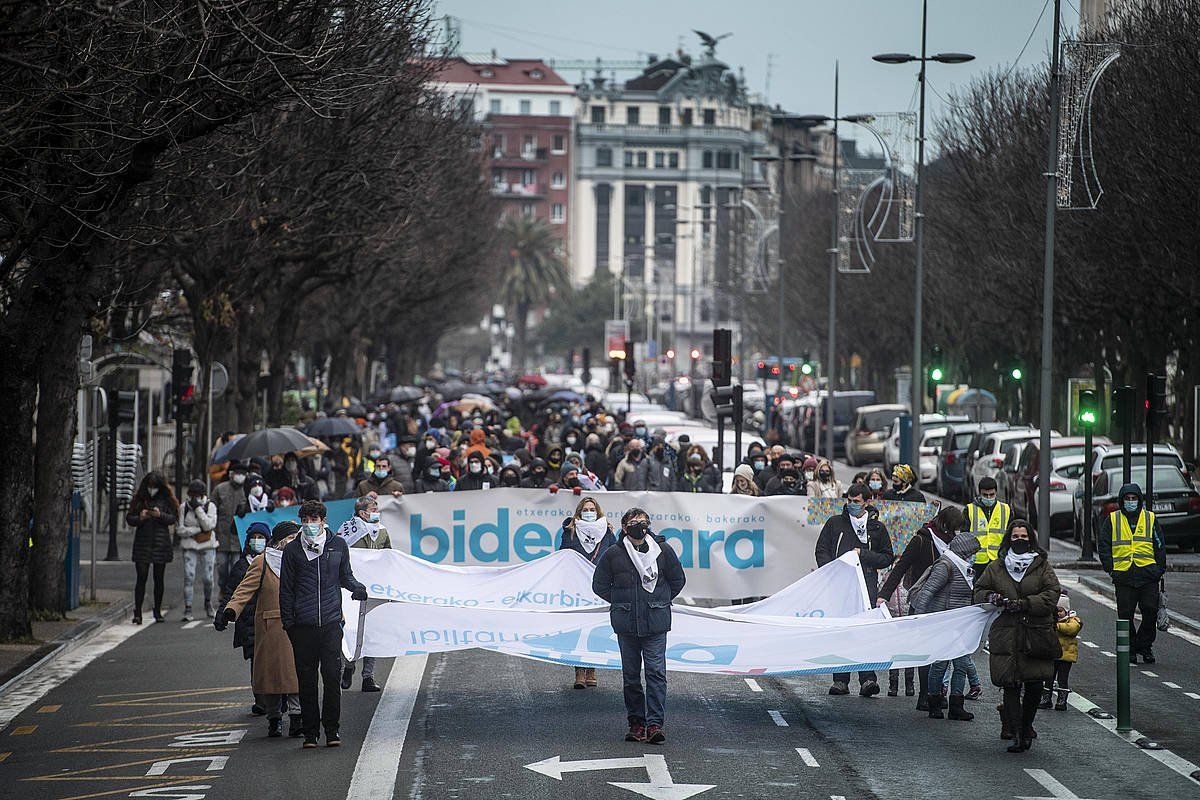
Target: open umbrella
(565, 396)
(405, 394)
(474, 402)
(531, 380)
(267, 442)
(315, 446)
(221, 454)
(332, 426)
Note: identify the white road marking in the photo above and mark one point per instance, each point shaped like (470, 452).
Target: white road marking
(1170, 685)
(554, 767)
(660, 785)
(379, 758)
(1165, 757)
(1149, 674)
(753, 684)
(837, 797)
(1090, 644)
(1050, 783)
(779, 720)
(187, 626)
(689, 601)
(1192, 695)
(1107, 653)
(807, 757)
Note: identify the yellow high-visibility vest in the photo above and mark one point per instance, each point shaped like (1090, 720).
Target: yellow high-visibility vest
(988, 529)
(1135, 546)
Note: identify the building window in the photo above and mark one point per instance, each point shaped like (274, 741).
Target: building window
(628, 159)
(528, 177)
(597, 115)
(494, 105)
(603, 216)
(536, 74)
(737, 160)
(707, 161)
(498, 146)
(527, 209)
(526, 107)
(641, 159)
(710, 116)
(558, 213)
(664, 115)
(528, 146)
(466, 106)
(603, 156)
(660, 159)
(724, 159)
(486, 73)
(632, 115)
(558, 181)
(685, 117)
(556, 108)
(560, 143)
(673, 160)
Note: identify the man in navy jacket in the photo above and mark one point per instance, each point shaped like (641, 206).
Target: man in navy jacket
(315, 568)
(639, 576)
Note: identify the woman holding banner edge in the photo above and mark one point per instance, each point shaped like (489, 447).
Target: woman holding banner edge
(590, 534)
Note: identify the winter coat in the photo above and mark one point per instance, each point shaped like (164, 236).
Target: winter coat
(228, 497)
(707, 481)
(776, 488)
(1068, 632)
(198, 521)
(1013, 632)
(424, 484)
(383, 488)
(402, 471)
(596, 462)
(632, 610)
(382, 541)
(152, 536)
(274, 669)
(946, 588)
(911, 494)
(570, 541)
(469, 482)
(838, 538)
(1134, 576)
(628, 475)
(243, 628)
(656, 475)
(310, 591)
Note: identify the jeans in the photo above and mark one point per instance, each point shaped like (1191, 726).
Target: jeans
(937, 672)
(318, 648)
(207, 559)
(644, 707)
(972, 674)
(1143, 597)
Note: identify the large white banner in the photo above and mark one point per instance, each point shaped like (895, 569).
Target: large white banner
(730, 545)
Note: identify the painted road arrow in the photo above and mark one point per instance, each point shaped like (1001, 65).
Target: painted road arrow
(659, 787)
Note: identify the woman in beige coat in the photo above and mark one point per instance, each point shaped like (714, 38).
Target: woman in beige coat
(274, 671)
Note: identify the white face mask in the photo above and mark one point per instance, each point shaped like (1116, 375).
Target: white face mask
(587, 516)
(258, 544)
(257, 491)
(238, 479)
(476, 468)
(372, 516)
(152, 491)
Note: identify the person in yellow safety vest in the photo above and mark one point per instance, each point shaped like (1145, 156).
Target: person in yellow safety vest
(1130, 546)
(988, 519)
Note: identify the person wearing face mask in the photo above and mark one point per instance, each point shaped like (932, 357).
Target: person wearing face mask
(510, 477)
(988, 519)
(364, 531)
(536, 478)
(430, 479)
(229, 496)
(425, 452)
(824, 484)
(1022, 642)
(152, 512)
(257, 496)
(315, 568)
(299, 479)
(571, 442)
(257, 535)
(256, 598)
(594, 459)
(1130, 545)
(787, 481)
(656, 472)
(197, 522)
(902, 488)
(758, 463)
(641, 431)
(876, 484)
(380, 482)
(763, 475)
(403, 462)
(554, 463)
(639, 577)
(857, 528)
(699, 475)
(590, 534)
(476, 476)
(743, 481)
(809, 469)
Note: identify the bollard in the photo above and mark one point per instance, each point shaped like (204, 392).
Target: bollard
(1123, 721)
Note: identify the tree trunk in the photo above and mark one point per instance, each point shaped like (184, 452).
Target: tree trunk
(56, 407)
(520, 335)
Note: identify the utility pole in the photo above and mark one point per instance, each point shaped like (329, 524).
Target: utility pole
(831, 363)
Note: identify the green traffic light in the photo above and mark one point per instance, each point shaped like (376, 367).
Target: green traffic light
(1017, 374)
(806, 368)
(935, 373)
(1087, 418)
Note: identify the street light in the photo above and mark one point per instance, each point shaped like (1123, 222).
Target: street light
(919, 233)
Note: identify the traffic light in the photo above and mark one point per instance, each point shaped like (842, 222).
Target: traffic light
(762, 370)
(722, 363)
(1156, 397)
(807, 367)
(1017, 373)
(936, 371)
(1089, 409)
(722, 399)
(182, 389)
(585, 374)
(1122, 407)
(630, 366)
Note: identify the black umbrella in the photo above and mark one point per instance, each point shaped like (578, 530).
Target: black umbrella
(332, 427)
(406, 394)
(268, 442)
(453, 390)
(356, 410)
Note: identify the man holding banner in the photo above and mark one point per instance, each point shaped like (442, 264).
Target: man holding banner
(639, 577)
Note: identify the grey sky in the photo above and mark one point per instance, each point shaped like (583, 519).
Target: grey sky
(805, 37)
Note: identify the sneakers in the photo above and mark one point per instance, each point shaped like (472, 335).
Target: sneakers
(209, 611)
(187, 614)
(868, 689)
(369, 684)
(295, 725)
(333, 740)
(839, 688)
(637, 733)
(655, 735)
(976, 692)
(1147, 656)
(347, 676)
(310, 742)
(257, 710)
(274, 728)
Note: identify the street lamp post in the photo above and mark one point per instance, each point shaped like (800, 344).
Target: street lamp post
(774, 407)
(918, 384)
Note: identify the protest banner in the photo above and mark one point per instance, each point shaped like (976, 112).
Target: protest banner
(338, 510)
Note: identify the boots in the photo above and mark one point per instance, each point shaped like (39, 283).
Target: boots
(1029, 709)
(1013, 719)
(580, 677)
(1060, 704)
(923, 702)
(909, 690)
(1006, 731)
(1045, 703)
(935, 707)
(957, 711)
(590, 677)
(893, 682)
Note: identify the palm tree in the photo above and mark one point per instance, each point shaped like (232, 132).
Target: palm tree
(532, 273)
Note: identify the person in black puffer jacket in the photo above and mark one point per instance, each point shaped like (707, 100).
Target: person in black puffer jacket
(152, 512)
(639, 576)
(315, 568)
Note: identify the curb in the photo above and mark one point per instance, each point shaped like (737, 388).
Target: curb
(70, 639)
(1105, 588)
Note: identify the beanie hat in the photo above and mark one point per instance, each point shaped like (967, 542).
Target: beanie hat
(745, 470)
(1064, 601)
(282, 530)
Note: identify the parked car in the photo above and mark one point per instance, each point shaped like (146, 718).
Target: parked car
(1023, 483)
(1065, 474)
(951, 465)
(891, 446)
(987, 460)
(1113, 455)
(864, 442)
(1176, 502)
(931, 445)
(802, 419)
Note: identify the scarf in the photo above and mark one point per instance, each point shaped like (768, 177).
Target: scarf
(313, 547)
(645, 563)
(1017, 565)
(274, 559)
(860, 527)
(959, 564)
(258, 503)
(356, 528)
(941, 547)
(590, 533)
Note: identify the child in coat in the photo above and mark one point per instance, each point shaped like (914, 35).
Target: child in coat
(1068, 624)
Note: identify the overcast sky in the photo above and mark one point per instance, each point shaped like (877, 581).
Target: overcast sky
(805, 38)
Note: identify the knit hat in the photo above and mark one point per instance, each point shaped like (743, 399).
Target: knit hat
(1064, 601)
(282, 530)
(261, 528)
(745, 470)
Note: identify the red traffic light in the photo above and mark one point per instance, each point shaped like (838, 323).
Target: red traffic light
(775, 370)
(791, 367)
(189, 393)
(762, 364)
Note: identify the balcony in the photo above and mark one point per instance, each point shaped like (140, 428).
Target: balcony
(526, 156)
(532, 191)
(658, 134)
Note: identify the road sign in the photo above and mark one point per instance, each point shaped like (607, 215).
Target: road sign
(220, 379)
(660, 786)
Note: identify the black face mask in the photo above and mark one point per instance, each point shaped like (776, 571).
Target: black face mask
(637, 530)
(539, 474)
(1020, 546)
(572, 482)
(789, 483)
(509, 480)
